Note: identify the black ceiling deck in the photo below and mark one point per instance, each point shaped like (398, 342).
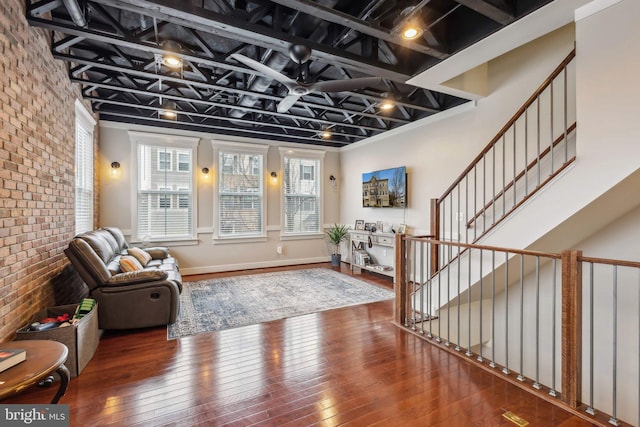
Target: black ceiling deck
(115, 55)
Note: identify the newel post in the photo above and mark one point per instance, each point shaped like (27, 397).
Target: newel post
(400, 285)
(571, 328)
(435, 232)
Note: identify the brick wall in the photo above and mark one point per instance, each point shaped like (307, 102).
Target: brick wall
(37, 151)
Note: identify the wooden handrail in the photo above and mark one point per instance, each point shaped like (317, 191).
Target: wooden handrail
(485, 247)
(513, 119)
(619, 263)
(530, 166)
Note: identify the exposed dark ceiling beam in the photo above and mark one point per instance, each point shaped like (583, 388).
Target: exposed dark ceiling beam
(501, 15)
(225, 130)
(201, 19)
(313, 132)
(364, 27)
(118, 88)
(98, 64)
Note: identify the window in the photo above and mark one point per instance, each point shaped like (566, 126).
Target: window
(302, 196)
(164, 161)
(184, 164)
(84, 169)
(165, 206)
(241, 205)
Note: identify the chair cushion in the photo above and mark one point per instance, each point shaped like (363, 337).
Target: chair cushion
(142, 256)
(129, 263)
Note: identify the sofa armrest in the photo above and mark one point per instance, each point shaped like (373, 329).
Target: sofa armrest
(139, 276)
(157, 252)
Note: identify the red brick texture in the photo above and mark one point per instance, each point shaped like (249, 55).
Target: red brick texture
(37, 152)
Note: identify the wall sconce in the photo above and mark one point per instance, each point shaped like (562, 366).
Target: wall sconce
(274, 177)
(334, 181)
(205, 172)
(115, 169)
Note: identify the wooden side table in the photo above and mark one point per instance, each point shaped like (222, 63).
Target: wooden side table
(43, 358)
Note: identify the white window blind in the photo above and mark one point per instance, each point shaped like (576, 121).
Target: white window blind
(240, 194)
(165, 208)
(302, 201)
(84, 170)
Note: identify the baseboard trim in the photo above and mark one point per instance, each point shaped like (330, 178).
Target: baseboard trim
(251, 265)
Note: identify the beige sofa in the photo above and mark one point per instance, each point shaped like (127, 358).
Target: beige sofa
(136, 299)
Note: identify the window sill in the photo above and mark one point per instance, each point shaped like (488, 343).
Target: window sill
(168, 243)
(309, 236)
(232, 240)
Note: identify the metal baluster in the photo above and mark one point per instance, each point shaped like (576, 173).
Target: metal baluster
(450, 226)
(515, 195)
(475, 202)
(504, 172)
(493, 309)
(613, 420)
(459, 221)
(493, 184)
(430, 298)
(484, 192)
(422, 286)
(439, 303)
(414, 293)
(447, 343)
(536, 384)
(553, 392)
(551, 126)
(480, 359)
(520, 375)
(538, 139)
(638, 421)
(566, 142)
(468, 352)
(526, 151)
(458, 341)
(407, 279)
(505, 370)
(591, 410)
(466, 208)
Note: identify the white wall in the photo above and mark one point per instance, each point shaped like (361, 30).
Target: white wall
(205, 256)
(436, 150)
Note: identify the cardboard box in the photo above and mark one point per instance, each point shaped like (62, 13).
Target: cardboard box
(81, 339)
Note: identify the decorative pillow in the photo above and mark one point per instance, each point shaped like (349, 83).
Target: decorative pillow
(129, 263)
(142, 256)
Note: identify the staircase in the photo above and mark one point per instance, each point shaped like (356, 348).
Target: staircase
(519, 312)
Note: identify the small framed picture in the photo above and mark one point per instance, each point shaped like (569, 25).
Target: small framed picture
(379, 226)
(359, 224)
(402, 228)
(369, 226)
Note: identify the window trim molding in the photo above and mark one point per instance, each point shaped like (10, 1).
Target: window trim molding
(238, 148)
(176, 141)
(310, 155)
(85, 121)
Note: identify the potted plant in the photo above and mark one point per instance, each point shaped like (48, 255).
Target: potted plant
(337, 234)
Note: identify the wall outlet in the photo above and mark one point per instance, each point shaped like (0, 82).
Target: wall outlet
(279, 249)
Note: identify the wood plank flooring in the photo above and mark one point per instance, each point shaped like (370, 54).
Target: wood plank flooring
(347, 367)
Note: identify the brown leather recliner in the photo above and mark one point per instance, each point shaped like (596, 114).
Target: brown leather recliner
(136, 299)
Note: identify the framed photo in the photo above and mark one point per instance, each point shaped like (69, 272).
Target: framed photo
(380, 226)
(359, 224)
(402, 228)
(369, 226)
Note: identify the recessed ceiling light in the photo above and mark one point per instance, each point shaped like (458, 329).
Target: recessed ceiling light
(387, 105)
(411, 32)
(172, 61)
(326, 134)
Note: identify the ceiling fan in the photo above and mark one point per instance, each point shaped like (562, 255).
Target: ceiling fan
(297, 88)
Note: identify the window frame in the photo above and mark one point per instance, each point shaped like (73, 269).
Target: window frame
(177, 143)
(84, 122)
(302, 154)
(228, 147)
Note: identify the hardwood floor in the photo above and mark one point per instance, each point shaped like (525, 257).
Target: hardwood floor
(348, 367)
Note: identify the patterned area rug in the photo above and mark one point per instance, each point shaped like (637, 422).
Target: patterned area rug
(231, 302)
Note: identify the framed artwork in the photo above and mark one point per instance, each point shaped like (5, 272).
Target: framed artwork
(359, 224)
(379, 226)
(369, 226)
